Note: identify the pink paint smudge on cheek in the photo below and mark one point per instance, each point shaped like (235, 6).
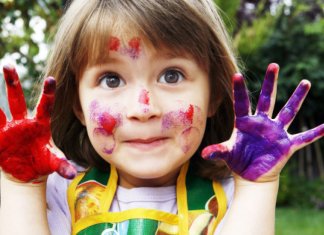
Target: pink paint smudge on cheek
(144, 98)
(183, 118)
(188, 137)
(106, 122)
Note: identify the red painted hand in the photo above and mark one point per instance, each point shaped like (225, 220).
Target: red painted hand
(25, 149)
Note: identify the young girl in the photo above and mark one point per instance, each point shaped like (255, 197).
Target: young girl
(143, 88)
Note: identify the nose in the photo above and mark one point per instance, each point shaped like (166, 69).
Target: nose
(143, 107)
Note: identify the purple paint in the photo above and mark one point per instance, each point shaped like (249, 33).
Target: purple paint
(134, 47)
(261, 142)
(267, 88)
(107, 121)
(289, 111)
(309, 136)
(186, 145)
(242, 103)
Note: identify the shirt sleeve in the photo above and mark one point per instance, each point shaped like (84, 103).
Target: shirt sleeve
(228, 186)
(58, 214)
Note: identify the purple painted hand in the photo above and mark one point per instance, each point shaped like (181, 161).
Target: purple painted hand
(260, 146)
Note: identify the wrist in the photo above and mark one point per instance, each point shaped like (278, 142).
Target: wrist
(241, 182)
(9, 181)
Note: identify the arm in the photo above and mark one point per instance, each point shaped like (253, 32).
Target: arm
(258, 149)
(23, 208)
(26, 158)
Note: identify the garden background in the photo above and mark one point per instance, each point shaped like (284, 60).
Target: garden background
(288, 32)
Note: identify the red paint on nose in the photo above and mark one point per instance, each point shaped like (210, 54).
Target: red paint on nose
(144, 98)
(190, 113)
(108, 122)
(114, 44)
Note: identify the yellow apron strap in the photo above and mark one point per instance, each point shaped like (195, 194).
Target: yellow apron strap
(222, 203)
(71, 197)
(110, 190)
(182, 200)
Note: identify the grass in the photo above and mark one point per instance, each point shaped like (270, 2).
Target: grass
(293, 221)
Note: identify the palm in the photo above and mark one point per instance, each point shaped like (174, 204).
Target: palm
(25, 152)
(260, 146)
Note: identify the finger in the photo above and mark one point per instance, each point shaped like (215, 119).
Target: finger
(45, 105)
(241, 98)
(289, 111)
(268, 91)
(216, 151)
(3, 119)
(16, 100)
(302, 139)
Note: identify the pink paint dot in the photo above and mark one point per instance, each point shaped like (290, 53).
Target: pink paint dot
(190, 113)
(144, 98)
(134, 47)
(114, 44)
(108, 122)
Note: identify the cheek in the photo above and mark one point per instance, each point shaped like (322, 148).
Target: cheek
(188, 124)
(184, 117)
(103, 123)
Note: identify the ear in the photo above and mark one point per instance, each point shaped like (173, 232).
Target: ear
(77, 110)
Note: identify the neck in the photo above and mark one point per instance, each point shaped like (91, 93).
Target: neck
(127, 181)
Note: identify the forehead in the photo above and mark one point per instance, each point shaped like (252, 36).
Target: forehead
(108, 30)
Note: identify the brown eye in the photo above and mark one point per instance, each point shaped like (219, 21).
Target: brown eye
(111, 80)
(171, 76)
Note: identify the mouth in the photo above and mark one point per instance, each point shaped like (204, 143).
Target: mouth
(146, 144)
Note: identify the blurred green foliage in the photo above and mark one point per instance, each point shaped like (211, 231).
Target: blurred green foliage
(296, 221)
(26, 27)
(293, 37)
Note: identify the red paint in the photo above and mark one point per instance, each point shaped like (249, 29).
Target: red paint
(24, 143)
(15, 93)
(3, 119)
(114, 44)
(108, 122)
(144, 98)
(190, 113)
(134, 45)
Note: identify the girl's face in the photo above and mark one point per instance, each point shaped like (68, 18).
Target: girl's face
(145, 111)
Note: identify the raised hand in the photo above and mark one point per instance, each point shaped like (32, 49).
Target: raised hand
(260, 146)
(25, 150)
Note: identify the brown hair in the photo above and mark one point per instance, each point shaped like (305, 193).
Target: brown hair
(192, 26)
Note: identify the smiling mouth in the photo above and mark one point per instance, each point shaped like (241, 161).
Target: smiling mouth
(147, 144)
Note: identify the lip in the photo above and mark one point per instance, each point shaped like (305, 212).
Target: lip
(146, 144)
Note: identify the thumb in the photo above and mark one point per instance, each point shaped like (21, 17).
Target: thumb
(65, 169)
(59, 164)
(213, 151)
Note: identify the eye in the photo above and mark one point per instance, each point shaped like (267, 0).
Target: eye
(111, 80)
(171, 76)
